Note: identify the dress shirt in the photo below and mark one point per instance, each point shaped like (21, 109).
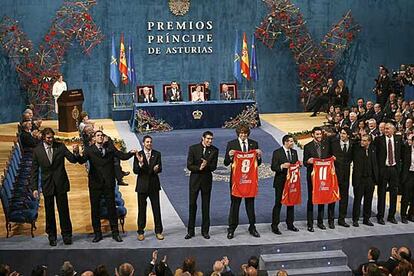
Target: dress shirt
(344, 143)
(246, 144)
(387, 163)
(412, 159)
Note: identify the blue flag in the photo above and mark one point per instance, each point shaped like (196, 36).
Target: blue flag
(237, 70)
(254, 70)
(114, 73)
(131, 64)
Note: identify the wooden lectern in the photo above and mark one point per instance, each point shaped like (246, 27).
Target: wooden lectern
(69, 108)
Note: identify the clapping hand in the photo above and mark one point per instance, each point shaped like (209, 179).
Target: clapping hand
(75, 148)
(156, 168)
(203, 164)
(140, 157)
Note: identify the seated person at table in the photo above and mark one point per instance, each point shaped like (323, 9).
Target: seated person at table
(207, 91)
(197, 95)
(146, 96)
(174, 93)
(226, 94)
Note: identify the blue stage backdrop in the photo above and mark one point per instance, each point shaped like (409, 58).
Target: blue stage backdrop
(386, 38)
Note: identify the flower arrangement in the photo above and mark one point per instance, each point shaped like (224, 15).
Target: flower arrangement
(146, 123)
(38, 70)
(249, 116)
(315, 62)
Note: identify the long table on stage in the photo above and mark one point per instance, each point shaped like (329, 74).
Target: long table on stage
(183, 115)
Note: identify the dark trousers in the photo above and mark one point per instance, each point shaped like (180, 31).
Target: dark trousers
(64, 217)
(343, 183)
(320, 101)
(205, 190)
(118, 169)
(321, 207)
(278, 206)
(234, 213)
(388, 175)
(95, 199)
(408, 195)
(364, 187)
(154, 197)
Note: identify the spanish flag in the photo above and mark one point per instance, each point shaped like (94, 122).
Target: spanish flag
(245, 67)
(123, 67)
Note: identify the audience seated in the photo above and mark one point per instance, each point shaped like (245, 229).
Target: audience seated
(188, 268)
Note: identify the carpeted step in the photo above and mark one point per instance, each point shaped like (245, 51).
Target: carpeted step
(339, 270)
(298, 260)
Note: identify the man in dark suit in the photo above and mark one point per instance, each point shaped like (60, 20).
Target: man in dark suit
(26, 136)
(174, 93)
(378, 114)
(317, 148)
(242, 143)
(281, 160)
(101, 180)
(146, 96)
(49, 162)
(373, 256)
(207, 91)
(389, 155)
(147, 166)
(201, 161)
(383, 86)
(364, 176)
(342, 150)
(407, 181)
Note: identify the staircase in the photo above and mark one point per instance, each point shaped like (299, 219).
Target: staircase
(323, 262)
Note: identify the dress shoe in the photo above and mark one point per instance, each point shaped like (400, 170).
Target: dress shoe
(310, 229)
(392, 220)
(313, 115)
(254, 233)
(404, 220)
(343, 223)
(293, 228)
(368, 222)
(276, 231)
(355, 224)
(381, 221)
(122, 183)
(141, 237)
(321, 226)
(97, 238)
(331, 225)
(411, 218)
(188, 236)
(230, 235)
(159, 236)
(206, 236)
(52, 242)
(116, 237)
(67, 240)
(125, 173)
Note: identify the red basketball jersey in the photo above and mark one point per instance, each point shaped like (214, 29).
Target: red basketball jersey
(244, 174)
(324, 181)
(292, 191)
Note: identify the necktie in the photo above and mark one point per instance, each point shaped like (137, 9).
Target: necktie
(50, 154)
(204, 153)
(390, 153)
(344, 148)
(148, 155)
(101, 151)
(366, 152)
(318, 150)
(244, 146)
(289, 156)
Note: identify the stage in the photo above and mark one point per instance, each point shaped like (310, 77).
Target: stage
(324, 252)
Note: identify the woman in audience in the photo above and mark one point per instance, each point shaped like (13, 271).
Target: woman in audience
(188, 268)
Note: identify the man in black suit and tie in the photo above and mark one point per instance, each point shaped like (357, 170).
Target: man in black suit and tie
(146, 96)
(407, 181)
(49, 157)
(242, 143)
(174, 93)
(101, 179)
(389, 155)
(281, 160)
(364, 176)
(147, 166)
(317, 148)
(342, 150)
(201, 161)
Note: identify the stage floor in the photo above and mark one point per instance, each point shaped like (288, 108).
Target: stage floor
(36, 250)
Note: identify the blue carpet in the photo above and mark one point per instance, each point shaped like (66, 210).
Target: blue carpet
(174, 178)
